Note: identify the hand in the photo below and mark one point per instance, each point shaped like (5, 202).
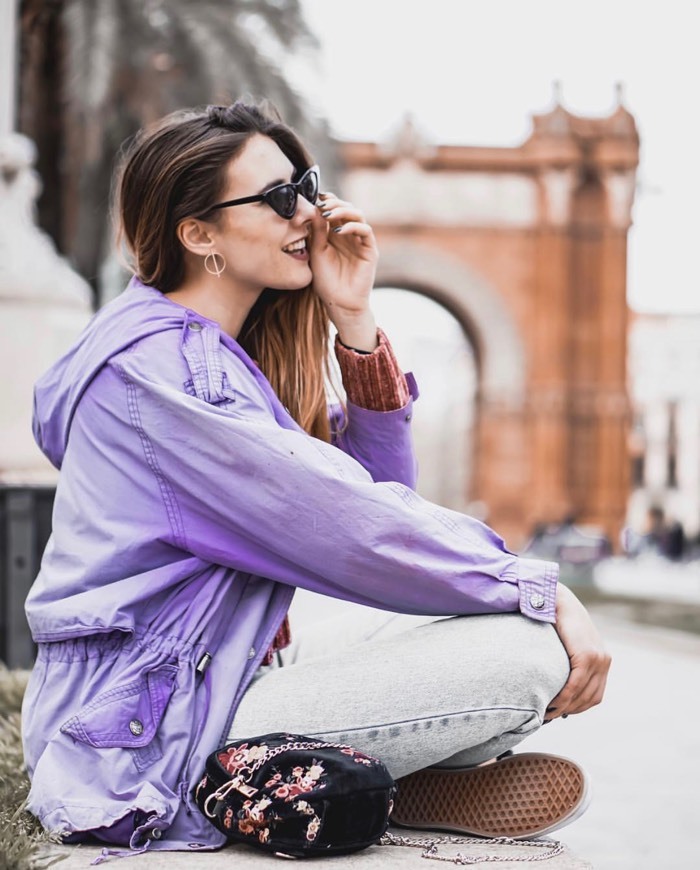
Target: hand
(343, 260)
(588, 659)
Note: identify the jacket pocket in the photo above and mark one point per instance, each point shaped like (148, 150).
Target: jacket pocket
(127, 716)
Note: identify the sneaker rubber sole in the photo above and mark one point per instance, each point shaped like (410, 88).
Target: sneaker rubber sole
(520, 796)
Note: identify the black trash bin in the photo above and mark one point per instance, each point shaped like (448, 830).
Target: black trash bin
(25, 527)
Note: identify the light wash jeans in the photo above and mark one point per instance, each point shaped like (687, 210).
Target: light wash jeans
(413, 691)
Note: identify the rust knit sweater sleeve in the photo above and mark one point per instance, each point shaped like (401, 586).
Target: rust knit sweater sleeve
(372, 380)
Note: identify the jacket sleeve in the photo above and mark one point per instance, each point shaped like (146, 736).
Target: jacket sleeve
(240, 490)
(376, 430)
(381, 441)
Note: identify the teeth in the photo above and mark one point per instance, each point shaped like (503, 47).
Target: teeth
(296, 246)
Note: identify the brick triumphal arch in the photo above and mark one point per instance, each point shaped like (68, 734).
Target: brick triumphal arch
(527, 247)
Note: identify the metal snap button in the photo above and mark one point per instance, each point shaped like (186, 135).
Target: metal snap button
(537, 601)
(136, 727)
(409, 417)
(251, 653)
(195, 325)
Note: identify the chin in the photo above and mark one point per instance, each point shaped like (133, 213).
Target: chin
(295, 282)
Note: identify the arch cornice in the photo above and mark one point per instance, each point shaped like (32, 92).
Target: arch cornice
(500, 351)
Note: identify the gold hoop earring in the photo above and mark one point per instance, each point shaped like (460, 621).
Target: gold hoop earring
(214, 268)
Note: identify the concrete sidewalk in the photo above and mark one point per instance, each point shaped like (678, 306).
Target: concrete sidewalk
(641, 748)
(384, 857)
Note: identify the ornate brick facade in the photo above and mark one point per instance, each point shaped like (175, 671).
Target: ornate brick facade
(527, 247)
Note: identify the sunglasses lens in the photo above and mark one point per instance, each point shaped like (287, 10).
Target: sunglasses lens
(308, 186)
(283, 200)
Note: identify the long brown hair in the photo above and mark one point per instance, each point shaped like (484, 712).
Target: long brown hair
(175, 170)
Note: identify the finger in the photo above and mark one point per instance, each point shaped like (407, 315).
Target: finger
(330, 200)
(319, 233)
(562, 703)
(343, 213)
(355, 228)
(582, 691)
(590, 698)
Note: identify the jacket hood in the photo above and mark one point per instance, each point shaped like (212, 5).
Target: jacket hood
(136, 313)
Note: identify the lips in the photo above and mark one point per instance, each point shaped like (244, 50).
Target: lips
(298, 250)
(297, 247)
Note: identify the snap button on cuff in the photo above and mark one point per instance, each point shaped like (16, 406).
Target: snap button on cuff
(537, 601)
(136, 727)
(251, 652)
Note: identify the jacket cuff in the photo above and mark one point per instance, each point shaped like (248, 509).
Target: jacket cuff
(537, 584)
(373, 381)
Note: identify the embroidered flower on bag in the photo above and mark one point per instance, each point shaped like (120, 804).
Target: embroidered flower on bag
(251, 818)
(367, 760)
(256, 752)
(298, 782)
(277, 777)
(312, 829)
(262, 804)
(245, 826)
(236, 758)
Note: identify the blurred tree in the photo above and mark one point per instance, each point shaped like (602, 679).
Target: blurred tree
(93, 71)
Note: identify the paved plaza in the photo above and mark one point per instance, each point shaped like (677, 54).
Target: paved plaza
(641, 747)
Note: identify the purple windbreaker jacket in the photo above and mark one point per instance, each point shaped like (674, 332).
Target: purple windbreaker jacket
(189, 507)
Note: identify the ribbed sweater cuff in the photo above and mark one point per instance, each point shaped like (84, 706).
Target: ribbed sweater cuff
(373, 381)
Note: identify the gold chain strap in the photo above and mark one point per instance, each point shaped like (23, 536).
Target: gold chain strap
(290, 747)
(240, 781)
(546, 849)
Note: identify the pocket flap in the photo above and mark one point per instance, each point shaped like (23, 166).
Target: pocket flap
(126, 715)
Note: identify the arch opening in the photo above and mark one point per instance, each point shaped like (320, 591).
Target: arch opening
(437, 347)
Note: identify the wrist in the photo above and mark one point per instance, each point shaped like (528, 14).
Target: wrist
(356, 330)
(567, 601)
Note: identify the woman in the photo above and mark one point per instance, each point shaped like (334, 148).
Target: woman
(203, 480)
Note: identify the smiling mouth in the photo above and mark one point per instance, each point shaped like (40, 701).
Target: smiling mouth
(297, 249)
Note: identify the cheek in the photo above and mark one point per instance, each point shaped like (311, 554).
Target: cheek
(246, 249)
(252, 238)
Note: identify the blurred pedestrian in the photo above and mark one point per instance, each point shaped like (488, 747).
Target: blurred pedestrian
(675, 541)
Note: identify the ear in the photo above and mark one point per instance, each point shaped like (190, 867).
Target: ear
(195, 236)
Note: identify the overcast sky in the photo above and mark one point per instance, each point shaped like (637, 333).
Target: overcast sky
(474, 72)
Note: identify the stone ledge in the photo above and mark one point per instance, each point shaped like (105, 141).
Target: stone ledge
(385, 857)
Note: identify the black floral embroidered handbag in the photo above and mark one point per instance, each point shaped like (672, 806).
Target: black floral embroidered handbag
(296, 796)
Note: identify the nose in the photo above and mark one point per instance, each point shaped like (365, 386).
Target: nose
(305, 210)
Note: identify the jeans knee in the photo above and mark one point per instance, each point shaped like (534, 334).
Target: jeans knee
(537, 666)
(547, 666)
